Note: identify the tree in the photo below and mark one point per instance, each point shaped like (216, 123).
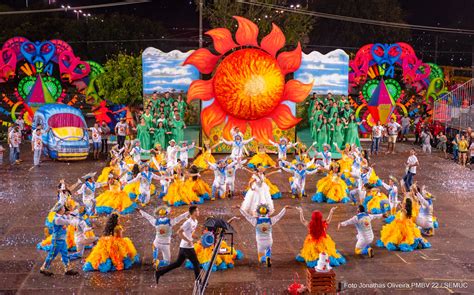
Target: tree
(94, 39)
(296, 27)
(349, 34)
(122, 81)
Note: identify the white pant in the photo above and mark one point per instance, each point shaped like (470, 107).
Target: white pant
(230, 184)
(298, 186)
(425, 222)
(82, 242)
(426, 148)
(364, 241)
(263, 244)
(218, 189)
(164, 249)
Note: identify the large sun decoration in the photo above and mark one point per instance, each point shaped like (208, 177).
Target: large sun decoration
(248, 87)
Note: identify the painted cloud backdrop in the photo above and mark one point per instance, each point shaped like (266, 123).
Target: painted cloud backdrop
(163, 71)
(330, 72)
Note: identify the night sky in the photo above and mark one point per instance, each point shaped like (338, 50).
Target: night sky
(181, 19)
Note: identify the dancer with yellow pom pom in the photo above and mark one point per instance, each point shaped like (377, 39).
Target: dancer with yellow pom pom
(113, 252)
(318, 241)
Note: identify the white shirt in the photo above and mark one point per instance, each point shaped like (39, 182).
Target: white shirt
(405, 121)
(377, 131)
(96, 134)
(412, 160)
(15, 138)
(37, 142)
(121, 129)
(471, 148)
(188, 227)
(393, 128)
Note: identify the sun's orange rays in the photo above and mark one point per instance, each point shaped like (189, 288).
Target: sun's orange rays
(200, 89)
(290, 61)
(222, 40)
(203, 60)
(283, 117)
(296, 91)
(274, 41)
(212, 116)
(247, 32)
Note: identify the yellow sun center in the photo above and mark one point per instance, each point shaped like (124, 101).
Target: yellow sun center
(248, 84)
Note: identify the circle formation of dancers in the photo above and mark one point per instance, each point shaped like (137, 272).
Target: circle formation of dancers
(127, 184)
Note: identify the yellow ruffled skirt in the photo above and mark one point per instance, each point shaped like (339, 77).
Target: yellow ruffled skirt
(312, 248)
(114, 201)
(261, 159)
(200, 161)
(110, 254)
(376, 203)
(331, 189)
(181, 192)
(223, 262)
(345, 164)
(402, 234)
(202, 189)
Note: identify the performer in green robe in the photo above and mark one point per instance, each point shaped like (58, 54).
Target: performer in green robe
(347, 111)
(338, 136)
(148, 117)
(322, 134)
(181, 106)
(159, 135)
(332, 110)
(143, 135)
(317, 124)
(352, 135)
(178, 129)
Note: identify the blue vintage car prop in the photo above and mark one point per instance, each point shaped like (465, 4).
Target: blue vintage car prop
(65, 138)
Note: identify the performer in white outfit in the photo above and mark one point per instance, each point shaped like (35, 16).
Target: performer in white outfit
(172, 154)
(425, 215)
(184, 153)
(238, 145)
(145, 177)
(298, 180)
(80, 238)
(164, 229)
(136, 151)
(258, 193)
(263, 224)
(283, 147)
(218, 185)
(392, 190)
(361, 178)
(326, 157)
(230, 171)
(87, 190)
(365, 235)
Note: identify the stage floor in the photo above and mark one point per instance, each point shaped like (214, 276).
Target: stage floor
(26, 196)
